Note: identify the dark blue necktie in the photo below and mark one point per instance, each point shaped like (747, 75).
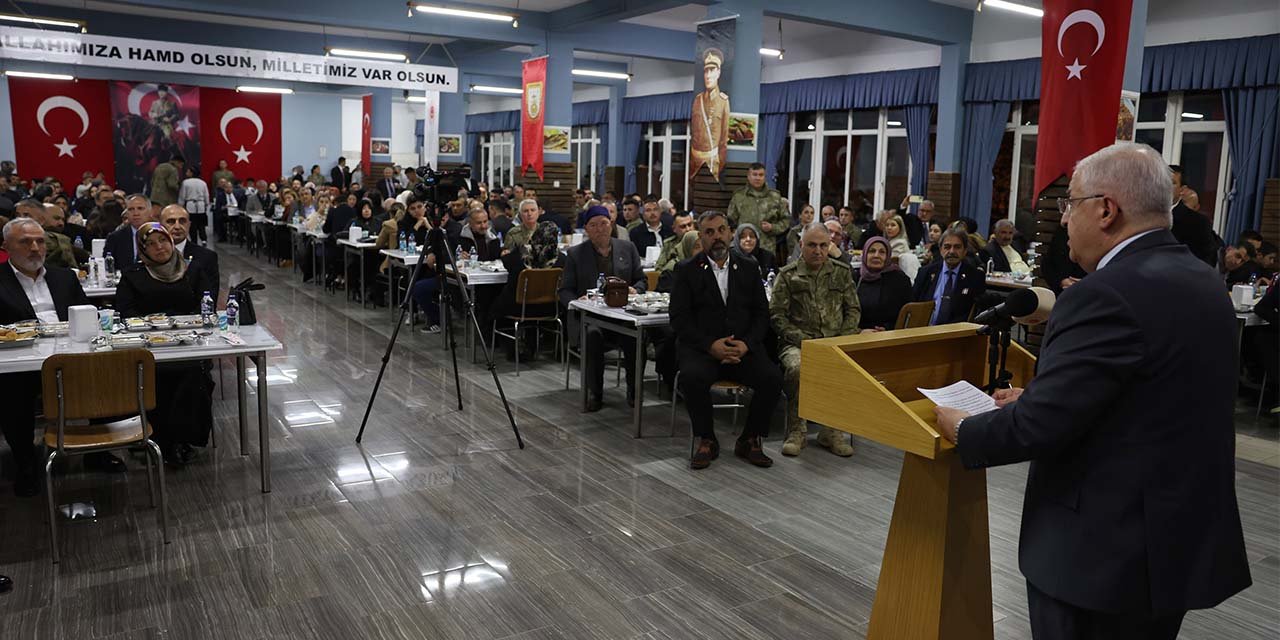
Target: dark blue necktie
(944, 305)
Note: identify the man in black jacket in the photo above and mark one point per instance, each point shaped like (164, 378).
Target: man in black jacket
(1190, 227)
(651, 231)
(340, 175)
(29, 291)
(1058, 269)
(720, 316)
(951, 283)
(122, 243)
(1130, 516)
(201, 262)
(605, 255)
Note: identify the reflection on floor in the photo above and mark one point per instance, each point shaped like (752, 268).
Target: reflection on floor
(438, 527)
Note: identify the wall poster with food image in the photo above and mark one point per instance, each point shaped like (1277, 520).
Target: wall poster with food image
(450, 144)
(742, 131)
(1127, 116)
(555, 139)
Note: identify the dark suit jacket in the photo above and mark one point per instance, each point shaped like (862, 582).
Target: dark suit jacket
(203, 266)
(1130, 503)
(1193, 229)
(1057, 265)
(642, 238)
(999, 261)
(340, 177)
(389, 187)
(489, 250)
(970, 285)
(580, 273)
(64, 286)
(914, 226)
(700, 316)
(120, 246)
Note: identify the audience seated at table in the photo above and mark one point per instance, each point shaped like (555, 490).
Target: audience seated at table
(1241, 264)
(746, 241)
(932, 250)
(671, 253)
(952, 283)
(1000, 252)
(896, 234)
(105, 219)
(369, 224)
(389, 233)
(202, 263)
(605, 255)
(651, 231)
(162, 283)
(541, 252)
(499, 216)
(59, 251)
(519, 234)
(314, 222)
(883, 288)
(478, 239)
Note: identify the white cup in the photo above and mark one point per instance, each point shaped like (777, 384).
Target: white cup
(1242, 295)
(82, 322)
(98, 246)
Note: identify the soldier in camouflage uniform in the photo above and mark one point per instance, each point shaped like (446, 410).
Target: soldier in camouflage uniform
(813, 297)
(520, 234)
(757, 204)
(671, 253)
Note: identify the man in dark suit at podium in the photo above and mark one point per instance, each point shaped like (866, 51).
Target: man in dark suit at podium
(1130, 515)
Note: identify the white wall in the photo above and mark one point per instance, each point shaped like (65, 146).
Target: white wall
(589, 92)
(352, 111)
(653, 77)
(488, 103)
(309, 125)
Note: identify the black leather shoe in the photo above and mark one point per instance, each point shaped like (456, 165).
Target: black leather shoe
(186, 454)
(594, 403)
(752, 451)
(104, 462)
(708, 450)
(6, 584)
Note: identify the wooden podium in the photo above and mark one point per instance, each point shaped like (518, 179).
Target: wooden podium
(935, 578)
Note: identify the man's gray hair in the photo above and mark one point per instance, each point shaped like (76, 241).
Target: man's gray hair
(138, 196)
(1004, 223)
(11, 227)
(1132, 174)
(27, 203)
(709, 215)
(527, 201)
(816, 226)
(924, 202)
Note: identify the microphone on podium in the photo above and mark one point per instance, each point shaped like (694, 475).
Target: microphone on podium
(1028, 307)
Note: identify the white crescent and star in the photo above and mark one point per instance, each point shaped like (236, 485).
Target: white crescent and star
(242, 155)
(1090, 18)
(63, 102)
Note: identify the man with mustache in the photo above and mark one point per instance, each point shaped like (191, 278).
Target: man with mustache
(720, 316)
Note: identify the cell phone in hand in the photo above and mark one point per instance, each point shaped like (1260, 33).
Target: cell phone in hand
(915, 199)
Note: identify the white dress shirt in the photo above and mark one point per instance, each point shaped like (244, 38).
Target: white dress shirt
(722, 278)
(1118, 248)
(38, 295)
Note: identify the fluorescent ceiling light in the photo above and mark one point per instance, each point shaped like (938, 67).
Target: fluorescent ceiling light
(509, 90)
(375, 55)
(811, 127)
(1013, 6)
(894, 123)
(464, 13)
(766, 51)
(249, 89)
(36, 74)
(416, 99)
(47, 22)
(614, 75)
(1192, 116)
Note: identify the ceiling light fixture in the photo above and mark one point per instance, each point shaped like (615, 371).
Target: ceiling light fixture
(491, 89)
(894, 123)
(464, 13)
(766, 51)
(1012, 6)
(38, 75)
(44, 22)
(1192, 116)
(360, 53)
(415, 99)
(612, 75)
(252, 89)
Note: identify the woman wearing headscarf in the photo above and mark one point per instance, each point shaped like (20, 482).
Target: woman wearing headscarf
(541, 252)
(161, 283)
(882, 287)
(746, 239)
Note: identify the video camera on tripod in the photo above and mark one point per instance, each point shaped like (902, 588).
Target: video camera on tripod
(439, 188)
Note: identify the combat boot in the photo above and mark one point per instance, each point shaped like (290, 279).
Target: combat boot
(797, 434)
(835, 441)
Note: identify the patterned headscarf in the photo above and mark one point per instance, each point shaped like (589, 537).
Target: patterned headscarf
(543, 248)
(865, 273)
(170, 271)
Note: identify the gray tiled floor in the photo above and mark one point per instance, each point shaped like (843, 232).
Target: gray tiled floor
(438, 527)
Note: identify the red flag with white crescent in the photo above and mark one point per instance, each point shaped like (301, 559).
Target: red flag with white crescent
(153, 121)
(533, 114)
(61, 128)
(243, 129)
(1083, 47)
(366, 134)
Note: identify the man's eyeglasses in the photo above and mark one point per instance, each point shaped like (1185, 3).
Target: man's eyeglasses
(1065, 204)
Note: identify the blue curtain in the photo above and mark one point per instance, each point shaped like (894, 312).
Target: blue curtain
(1007, 81)
(496, 121)
(917, 121)
(857, 91)
(983, 128)
(1255, 153)
(602, 131)
(632, 136)
(1212, 64)
(773, 139)
(472, 153)
(586, 114)
(659, 108)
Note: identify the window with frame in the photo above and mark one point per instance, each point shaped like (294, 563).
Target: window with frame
(661, 169)
(497, 158)
(584, 152)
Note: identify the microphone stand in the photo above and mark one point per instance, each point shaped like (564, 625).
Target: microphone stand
(998, 341)
(438, 240)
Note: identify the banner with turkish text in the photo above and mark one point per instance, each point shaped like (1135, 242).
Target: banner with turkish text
(244, 130)
(533, 114)
(61, 128)
(1083, 47)
(431, 130)
(152, 122)
(366, 133)
(709, 115)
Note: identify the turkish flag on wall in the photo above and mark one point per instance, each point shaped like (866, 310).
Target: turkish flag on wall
(366, 135)
(62, 128)
(243, 129)
(533, 114)
(1083, 46)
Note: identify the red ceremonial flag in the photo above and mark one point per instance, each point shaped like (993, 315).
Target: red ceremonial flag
(243, 129)
(62, 129)
(1082, 55)
(366, 133)
(532, 114)
(152, 122)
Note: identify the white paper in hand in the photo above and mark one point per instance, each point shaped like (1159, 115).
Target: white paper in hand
(962, 396)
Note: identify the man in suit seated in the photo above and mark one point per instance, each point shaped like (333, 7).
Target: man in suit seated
(952, 283)
(601, 255)
(1004, 258)
(651, 231)
(478, 239)
(31, 291)
(1130, 515)
(59, 252)
(122, 244)
(720, 316)
(201, 262)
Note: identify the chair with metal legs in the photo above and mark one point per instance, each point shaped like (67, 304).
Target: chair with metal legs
(734, 390)
(86, 386)
(533, 287)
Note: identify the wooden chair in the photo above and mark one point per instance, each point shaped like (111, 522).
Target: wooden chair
(533, 287)
(914, 314)
(86, 386)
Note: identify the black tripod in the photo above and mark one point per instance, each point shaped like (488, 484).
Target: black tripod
(438, 244)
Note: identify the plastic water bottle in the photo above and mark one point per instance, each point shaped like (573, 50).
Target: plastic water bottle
(768, 281)
(206, 310)
(233, 314)
(110, 264)
(600, 289)
(457, 256)
(991, 265)
(404, 242)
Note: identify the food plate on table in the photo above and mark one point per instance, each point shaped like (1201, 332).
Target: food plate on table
(159, 321)
(136, 324)
(159, 340)
(16, 338)
(187, 322)
(48, 329)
